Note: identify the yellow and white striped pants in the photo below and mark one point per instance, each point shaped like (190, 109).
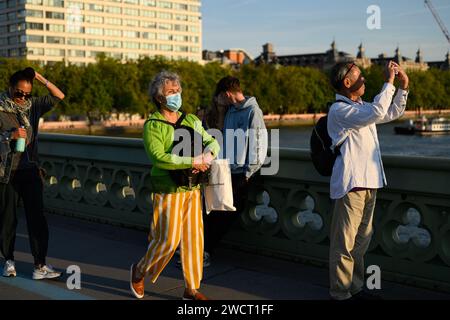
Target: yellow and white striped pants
(177, 217)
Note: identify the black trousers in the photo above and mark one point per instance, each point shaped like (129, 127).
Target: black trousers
(218, 223)
(27, 185)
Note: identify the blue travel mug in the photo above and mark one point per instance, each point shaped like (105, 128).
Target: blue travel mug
(20, 144)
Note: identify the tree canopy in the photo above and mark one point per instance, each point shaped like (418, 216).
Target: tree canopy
(109, 85)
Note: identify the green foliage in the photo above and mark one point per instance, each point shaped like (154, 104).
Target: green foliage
(110, 86)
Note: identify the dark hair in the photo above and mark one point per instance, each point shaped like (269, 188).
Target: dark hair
(26, 74)
(338, 74)
(228, 83)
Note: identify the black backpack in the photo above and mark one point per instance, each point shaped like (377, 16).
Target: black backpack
(322, 156)
(185, 177)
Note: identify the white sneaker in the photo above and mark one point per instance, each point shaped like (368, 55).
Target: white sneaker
(9, 270)
(45, 272)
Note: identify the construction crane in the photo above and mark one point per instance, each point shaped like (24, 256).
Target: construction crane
(438, 19)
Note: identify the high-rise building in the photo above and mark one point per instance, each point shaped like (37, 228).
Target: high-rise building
(77, 31)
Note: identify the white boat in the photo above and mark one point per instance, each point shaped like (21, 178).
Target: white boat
(432, 126)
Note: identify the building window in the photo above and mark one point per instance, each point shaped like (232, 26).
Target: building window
(165, 15)
(179, 6)
(149, 3)
(95, 7)
(147, 13)
(148, 46)
(34, 38)
(130, 45)
(55, 27)
(96, 31)
(165, 4)
(76, 53)
(75, 41)
(113, 21)
(165, 47)
(113, 32)
(181, 27)
(180, 38)
(94, 42)
(93, 19)
(148, 24)
(34, 13)
(131, 23)
(130, 34)
(55, 52)
(114, 10)
(13, 40)
(165, 26)
(55, 40)
(75, 4)
(181, 48)
(194, 8)
(12, 15)
(165, 37)
(181, 17)
(55, 3)
(148, 35)
(35, 26)
(35, 51)
(113, 44)
(54, 15)
(131, 12)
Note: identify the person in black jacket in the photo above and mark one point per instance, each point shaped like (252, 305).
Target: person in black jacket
(20, 176)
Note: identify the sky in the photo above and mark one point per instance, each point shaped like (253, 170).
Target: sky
(299, 26)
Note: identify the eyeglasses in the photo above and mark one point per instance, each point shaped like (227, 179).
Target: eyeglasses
(21, 95)
(348, 71)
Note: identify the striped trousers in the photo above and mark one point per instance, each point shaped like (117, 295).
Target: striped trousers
(177, 220)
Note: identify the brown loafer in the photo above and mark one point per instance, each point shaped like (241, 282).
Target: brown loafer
(194, 295)
(136, 284)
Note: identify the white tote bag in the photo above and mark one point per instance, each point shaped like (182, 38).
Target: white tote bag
(219, 190)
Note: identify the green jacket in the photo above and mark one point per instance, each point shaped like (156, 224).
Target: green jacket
(158, 143)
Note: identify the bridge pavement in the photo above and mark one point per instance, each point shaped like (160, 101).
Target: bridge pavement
(104, 254)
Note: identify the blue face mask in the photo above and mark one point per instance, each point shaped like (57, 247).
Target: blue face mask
(174, 102)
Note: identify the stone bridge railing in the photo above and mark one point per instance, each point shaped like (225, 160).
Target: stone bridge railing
(289, 214)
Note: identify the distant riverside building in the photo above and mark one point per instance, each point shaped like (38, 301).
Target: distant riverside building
(327, 59)
(77, 31)
(442, 65)
(324, 60)
(233, 57)
(404, 62)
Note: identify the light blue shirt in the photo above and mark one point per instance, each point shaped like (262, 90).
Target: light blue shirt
(353, 125)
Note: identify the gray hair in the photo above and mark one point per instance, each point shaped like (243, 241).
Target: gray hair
(338, 73)
(158, 83)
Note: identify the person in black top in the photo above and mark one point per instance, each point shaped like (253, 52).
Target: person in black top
(19, 171)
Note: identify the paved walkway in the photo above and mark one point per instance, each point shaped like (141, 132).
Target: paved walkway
(104, 254)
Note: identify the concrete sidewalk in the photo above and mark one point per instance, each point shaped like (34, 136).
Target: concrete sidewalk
(104, 254)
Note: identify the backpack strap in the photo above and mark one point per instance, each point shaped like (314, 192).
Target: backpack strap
(341, 100)
(337, 149)
(175, 125)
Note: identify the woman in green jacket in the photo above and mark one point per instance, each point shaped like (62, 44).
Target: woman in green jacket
(177, 209)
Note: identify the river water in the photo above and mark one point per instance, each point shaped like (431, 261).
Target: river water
(390, 143)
